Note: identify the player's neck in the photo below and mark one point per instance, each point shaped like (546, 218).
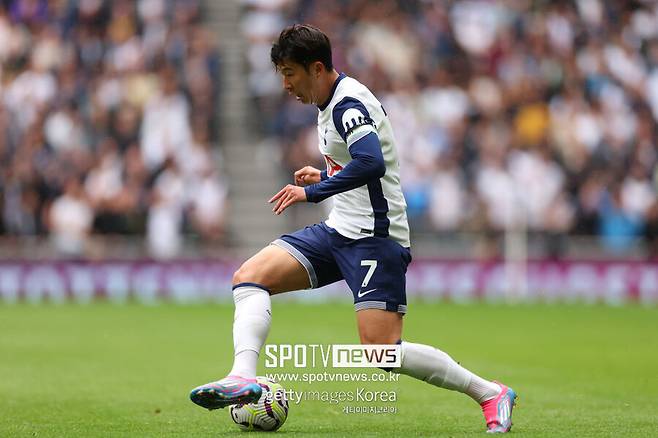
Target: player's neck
(327, 87)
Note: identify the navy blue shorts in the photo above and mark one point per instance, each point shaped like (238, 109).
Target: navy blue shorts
(373, 267)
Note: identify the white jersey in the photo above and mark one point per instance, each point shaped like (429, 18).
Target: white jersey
(375, 209)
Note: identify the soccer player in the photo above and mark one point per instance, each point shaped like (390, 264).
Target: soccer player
(365, 240)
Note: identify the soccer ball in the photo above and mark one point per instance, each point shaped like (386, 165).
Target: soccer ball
(268, 413)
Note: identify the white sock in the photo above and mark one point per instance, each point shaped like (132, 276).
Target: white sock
(251, 324)
(437, 368)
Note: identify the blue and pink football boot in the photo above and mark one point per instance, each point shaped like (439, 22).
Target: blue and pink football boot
(231, 390)
(498, 410)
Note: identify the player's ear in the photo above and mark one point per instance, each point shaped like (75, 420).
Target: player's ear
(317, 69)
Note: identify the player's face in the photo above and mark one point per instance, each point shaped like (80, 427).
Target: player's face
(298, 82)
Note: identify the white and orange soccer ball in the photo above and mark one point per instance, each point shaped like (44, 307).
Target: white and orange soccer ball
(268, 413)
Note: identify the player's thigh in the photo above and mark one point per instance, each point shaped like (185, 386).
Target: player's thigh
(378, 326)
(275, 269)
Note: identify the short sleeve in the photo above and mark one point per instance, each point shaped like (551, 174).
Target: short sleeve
(352, 120)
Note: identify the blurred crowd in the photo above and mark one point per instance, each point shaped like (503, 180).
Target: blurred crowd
(108, 122)
(537, 115)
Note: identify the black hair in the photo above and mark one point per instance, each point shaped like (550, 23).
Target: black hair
(302, 44)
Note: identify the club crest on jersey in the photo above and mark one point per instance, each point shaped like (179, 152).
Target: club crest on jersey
(353, 118)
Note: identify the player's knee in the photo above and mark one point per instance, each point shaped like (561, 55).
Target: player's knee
(248, 274)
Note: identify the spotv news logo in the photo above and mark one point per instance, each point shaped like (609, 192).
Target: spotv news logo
(338, 355)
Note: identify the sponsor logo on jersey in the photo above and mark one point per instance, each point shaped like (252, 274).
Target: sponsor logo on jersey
(332, 167)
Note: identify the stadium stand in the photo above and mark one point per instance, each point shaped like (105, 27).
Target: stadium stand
(108, 123)
(539, 115)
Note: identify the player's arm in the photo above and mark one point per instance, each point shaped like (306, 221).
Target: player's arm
(357, 129)
(293, 193)
(367, 164)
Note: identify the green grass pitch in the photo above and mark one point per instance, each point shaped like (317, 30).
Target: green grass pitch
(108, 370)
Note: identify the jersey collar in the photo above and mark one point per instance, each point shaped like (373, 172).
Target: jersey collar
(324, 106)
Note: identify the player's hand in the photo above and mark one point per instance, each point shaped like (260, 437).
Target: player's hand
(307, 175)
(286, 197)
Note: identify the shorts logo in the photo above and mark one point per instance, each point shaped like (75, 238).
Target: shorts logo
(360, 294)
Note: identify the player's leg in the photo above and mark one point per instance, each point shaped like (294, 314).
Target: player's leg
(272, 270)
(380, 301)
(422, 361)
(275, 269)
(379, 326)
(437, 368)
(293, 262)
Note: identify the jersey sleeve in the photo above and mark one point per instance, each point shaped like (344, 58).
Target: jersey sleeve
(352, 120)
(367, 164)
